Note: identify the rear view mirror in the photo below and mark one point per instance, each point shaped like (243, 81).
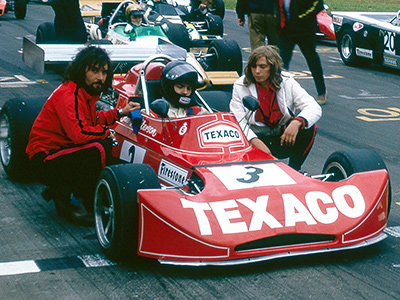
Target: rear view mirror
(160, 107)
(251, 103)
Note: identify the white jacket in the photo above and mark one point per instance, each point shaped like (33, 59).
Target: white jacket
(290, 96)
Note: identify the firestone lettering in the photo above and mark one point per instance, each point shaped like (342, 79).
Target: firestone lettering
(319, 208)
(171, 174)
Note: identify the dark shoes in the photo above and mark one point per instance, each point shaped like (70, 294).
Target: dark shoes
(61, 200)
(69, 207)
(80, 216)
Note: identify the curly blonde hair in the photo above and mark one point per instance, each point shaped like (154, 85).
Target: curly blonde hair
(274, 60)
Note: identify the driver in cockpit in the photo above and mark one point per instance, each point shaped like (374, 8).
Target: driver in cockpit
(134, 14)
(179, 81)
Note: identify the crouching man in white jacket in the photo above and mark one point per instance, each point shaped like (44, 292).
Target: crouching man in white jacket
(284, 124)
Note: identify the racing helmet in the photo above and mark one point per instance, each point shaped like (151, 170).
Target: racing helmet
(178, 71)
(134, 9)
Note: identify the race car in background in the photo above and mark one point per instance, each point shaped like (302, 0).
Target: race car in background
(203, 25)
(368, 37)
(129, 45)
(326, 31)
(194, 191)
(18, 6)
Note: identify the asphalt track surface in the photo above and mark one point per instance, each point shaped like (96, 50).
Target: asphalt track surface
(44, 257)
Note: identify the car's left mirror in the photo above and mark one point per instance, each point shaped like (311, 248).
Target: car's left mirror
(160, 107)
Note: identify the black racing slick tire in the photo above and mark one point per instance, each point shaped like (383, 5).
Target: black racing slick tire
(343, 164)
(178, 35)
(20, 8)
(215, 25)
(116, 208)
(217, 100)
(16, 120)
(226, 56)
(218, 8)
(46, 34)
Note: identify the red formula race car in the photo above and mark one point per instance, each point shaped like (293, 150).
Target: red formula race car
(193, 191)
(326, 31)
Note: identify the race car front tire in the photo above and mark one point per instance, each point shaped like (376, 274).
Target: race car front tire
(16, 120)
(20, 8)
(116, 208)
(178, 35)
(46, 33)
(343, 164)
(219, 8)
(215, 25)
(227, 56)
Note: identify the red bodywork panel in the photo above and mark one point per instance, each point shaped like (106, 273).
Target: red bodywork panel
(325, 25)
(3, 4)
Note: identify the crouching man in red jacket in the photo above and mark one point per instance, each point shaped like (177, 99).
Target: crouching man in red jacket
(70, 142)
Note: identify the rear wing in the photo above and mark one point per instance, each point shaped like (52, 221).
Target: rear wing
(38, 56)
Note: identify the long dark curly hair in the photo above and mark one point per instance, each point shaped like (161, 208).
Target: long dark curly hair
(273, 58)
(87, 58)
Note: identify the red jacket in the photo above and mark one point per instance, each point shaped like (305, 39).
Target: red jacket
(69, 118)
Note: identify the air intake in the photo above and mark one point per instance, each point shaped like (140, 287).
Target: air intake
(285, 240)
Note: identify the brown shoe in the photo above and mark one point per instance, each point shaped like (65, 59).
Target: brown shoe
(321, 100)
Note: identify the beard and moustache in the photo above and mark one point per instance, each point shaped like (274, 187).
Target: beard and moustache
(92, 89)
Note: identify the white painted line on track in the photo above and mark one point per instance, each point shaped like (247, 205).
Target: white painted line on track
(18, 267)
(36, 266)
(393, 231)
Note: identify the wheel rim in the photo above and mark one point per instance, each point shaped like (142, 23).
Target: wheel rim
(347, 46)
(104, 211)
(5, 140)
(213, 61)
(339, 173)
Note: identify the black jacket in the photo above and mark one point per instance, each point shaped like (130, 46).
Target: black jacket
(245, 7)
(303, 17)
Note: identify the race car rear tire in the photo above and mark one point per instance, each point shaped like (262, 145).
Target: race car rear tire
(343, 164)
(116, 208)
(219, 8)
(347, 49)
(20, 8)
(178, 35)
(218, 100)
(46, 34)
(16, 120)
(215, 25)
(227, 56)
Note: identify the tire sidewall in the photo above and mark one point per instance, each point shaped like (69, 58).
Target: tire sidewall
(124, 181)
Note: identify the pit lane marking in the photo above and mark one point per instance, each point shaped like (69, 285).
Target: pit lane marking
(37, 266)
(9, 82)
(378, 114)
(393, 231)
(318, 49)
(307, 75)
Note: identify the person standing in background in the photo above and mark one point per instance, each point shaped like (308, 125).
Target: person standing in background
(262, 21)
(297, 21)
(68, 22)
